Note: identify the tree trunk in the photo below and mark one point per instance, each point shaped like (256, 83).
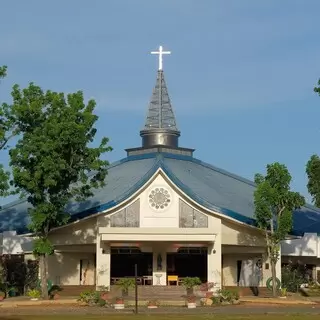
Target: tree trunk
(44, 278)
(274, 278)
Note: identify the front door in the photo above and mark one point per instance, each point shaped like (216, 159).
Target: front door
(87, 272)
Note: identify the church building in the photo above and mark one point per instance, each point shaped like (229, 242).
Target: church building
(162, 209)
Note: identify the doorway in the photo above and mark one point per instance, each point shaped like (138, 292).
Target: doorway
(123, 262)
(188, 262)
(87, 272)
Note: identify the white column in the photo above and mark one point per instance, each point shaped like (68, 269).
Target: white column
(316, 271)
(278, 266)
(103, 264)
(214, 263)
(159, 273)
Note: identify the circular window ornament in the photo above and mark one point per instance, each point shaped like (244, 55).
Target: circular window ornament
(159, 198)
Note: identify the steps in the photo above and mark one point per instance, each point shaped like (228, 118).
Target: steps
(262, 292)
(74, 291)
(162, 292)
(154, 292)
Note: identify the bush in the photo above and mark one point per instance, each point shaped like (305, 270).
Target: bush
(34, 293)
(225, 296)
(89, 297)
(293, 276)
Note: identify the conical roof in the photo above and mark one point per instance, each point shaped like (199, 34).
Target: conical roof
(160, 113)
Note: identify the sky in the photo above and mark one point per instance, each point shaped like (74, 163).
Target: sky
(240, 76)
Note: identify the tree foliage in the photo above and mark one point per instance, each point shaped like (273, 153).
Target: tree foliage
(7, 131)
(274, 205)
(313, 171)
(53, 161)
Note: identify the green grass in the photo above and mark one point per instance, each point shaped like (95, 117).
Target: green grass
(163, 317)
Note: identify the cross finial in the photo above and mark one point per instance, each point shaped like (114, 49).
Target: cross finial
(160, 53)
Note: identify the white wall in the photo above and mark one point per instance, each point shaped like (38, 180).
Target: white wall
(308, 246)
(15, 244)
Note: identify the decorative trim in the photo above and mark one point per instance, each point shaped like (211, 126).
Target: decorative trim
(159, 198)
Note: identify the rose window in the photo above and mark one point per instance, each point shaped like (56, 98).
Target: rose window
(159, 198)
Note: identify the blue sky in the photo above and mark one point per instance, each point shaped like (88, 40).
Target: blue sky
(240, 76)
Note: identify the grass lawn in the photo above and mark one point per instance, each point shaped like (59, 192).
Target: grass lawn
(164, 317)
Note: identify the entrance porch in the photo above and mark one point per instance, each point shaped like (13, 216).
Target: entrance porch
(164, 256)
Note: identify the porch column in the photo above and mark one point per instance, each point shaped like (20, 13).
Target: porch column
(103, 264)
(214, 263)
(278, 267)
(159, 266)
(317, 273)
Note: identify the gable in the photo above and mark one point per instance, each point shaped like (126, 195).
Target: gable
(158, 205)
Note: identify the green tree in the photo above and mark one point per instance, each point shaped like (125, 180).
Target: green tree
(7, 131)
(53, 162)
(313, 170)
(274, 205)
(3, 71)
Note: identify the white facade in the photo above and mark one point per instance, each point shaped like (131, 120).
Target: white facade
(15, 244)
(159, 232)
(307, 246)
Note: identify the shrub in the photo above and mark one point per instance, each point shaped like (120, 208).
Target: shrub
(90, 297)
(226, 296)
(34, 293)
(293, 276)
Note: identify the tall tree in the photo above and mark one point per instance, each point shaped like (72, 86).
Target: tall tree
(3, 71)
(7, 131)
(53, 162)
(274, 205)
(313, 170)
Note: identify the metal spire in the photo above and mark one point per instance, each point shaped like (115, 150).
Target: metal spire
(160, 126)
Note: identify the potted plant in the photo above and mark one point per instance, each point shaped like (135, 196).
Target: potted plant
(189, 283)
(54, 292)
(191, 302)
(12, 292)
(34, 294)
(206, 287)
(104, 293)
(153, 304)
(125, 284)
(2, 295)
(119, 303)
(283, 293)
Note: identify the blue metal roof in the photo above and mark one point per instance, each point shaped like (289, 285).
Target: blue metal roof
(211, 187)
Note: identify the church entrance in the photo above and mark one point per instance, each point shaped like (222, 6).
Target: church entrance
(188, 262)
(123, 260)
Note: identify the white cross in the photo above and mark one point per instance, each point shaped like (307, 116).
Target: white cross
(160, 53)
